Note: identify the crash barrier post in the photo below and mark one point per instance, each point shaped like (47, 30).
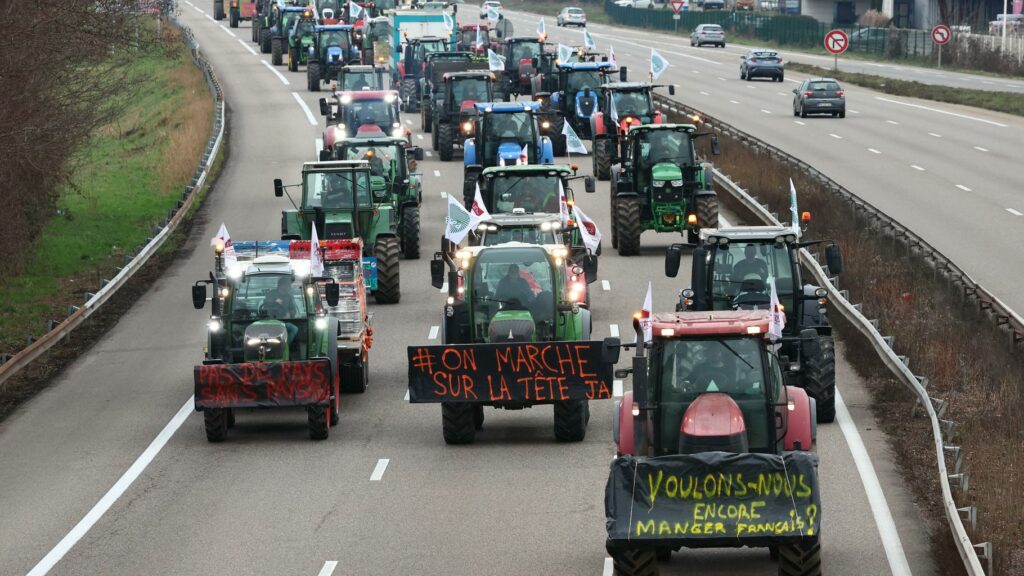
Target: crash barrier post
(141, 254)
(971, 554)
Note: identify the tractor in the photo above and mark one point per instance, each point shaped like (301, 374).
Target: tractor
(301, 39)
(454, 113)
(503, 301)
(435, 66)
(361, 77)
(713, 449)
(260, 26)
(521, 61)
(392, 166)
(282, 23)
(477, 38)
(503, 132)
(338, 197)
(622, 104)
(376, 37)
(331, 51)
(362, 114)
(270, 341)
(237, 11)
(410, 69)
(661, 185)
(734, 269)
(574, 97)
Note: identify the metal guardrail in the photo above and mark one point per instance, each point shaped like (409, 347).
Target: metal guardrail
(39, 346)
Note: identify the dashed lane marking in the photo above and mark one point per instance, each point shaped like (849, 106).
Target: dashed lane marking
(276, 73)
(433, 332)
(836, 136)
(247, 47)
(328, 568)
(893, 122)
(606, 285)
(613, 330)
(437, 173)
(941, 111)
(766, 111)
(964, 188)
(617, 388)
(378, 471)
(935, 135)
(800, 122)
(980, 149)
(873, 151)
(1014, 212)
(305, 109)
(230, 33)
(916, 167)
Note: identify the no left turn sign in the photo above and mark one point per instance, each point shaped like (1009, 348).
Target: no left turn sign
(940, 34)
(836, 41)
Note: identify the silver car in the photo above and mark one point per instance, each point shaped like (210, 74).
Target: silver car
(708, 34)
(571, 16)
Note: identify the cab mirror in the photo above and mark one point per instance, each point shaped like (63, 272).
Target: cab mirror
(325, 108)
(716, 148)
(610, 348)
(534, 62)
(417, 154)
(795, 91)
(588, 184)
(672, 89)
(198, 296)
(278, 187)
(622, 74)
(437, 271)
(673, 255)
(332, 293)
(834, 258)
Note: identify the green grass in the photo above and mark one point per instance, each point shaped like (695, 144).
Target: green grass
(126, 179)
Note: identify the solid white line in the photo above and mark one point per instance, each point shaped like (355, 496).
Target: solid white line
(893, 122)
(318, 145)
(420, 136)
(1014, 212)
(766, 111)
(876, 497)
(208, 17)
(305, 109)
(230, 33)
(609, 566)
(980, 149)
(378, 471)
(433, 332)
(613, 330)
(836, 136)
(328, 568)
(197, 9)
(606, 285)
(190, 4)
(276, 73)
(938, 111)
(428, 153)
(916, 167)
(444, 287)
(115, 492)
(800, 122)
(617, 388)
(247, 47)
(964, 188)
(733, 102)
(873, 151)
(704, 93)
(934, 134)
(437, 173)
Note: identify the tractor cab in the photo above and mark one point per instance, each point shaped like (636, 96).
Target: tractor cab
(662, 160)
(622, 106)
(333, 45)
(377, 37)
(527, 188)
(631, 102)
(329, 11)
(454, 118)
(521, 54)
(505, 131)
(364, 114)
(391, 162)
(361, 77)
(414, 52)
(477, 38)
(303, 29)
(464, 89)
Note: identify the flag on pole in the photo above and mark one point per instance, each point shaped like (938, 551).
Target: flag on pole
(612, 112)
(588, 40)
(573, 144)
(354, 10)
(478, 211)
(457, 222)
(646, 315)
(449, 22)
(316, 262)
(777, 320)
(589, 233)
(658, 64)
(794, 216)
(492, 14)
(494, 61)
(478, 42)
(564, 53)
(541, 30)
(563, 205)
(611, 56)
(222, 237)
(524, 156)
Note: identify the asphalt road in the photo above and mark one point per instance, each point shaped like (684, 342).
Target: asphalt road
(269, 501)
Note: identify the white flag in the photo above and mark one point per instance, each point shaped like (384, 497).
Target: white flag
(478, 211)
(457, 222)
(316, 262)
(613, 113)
(658, 64)
(793, 214)
(449, 23)
(588, 40)
(572, 140)
(222, 237)
(478, 42)
(492, 14)
(494, 61)
(354, 10)
(589, 233)
(541, 30)
(563, 205)
(564, 53)
(524, 156)
(647, 315)
(611, 56)
(777, 319)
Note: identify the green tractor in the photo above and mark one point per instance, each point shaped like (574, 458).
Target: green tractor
(392, 167)
(453, 114)
(281, 22)
(301, 37)
(504, 301)
(662, 185)
(621, 106)
(270, 343)
(340, 199)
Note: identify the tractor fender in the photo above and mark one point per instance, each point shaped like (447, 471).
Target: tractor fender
(547, 154)
(707, 192)
(469, 154)
(409, 203)
(597, 127)
(799, 432)
(586, 324)
(622, 425)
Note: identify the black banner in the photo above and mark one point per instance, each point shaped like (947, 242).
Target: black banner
(253, 384)
(713, 499)
(535, 372)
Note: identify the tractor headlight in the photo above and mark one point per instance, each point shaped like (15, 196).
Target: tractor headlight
(545, 124)
(658, 183)
(467, 127)
(389, 98)
(397, 133)
(214, 325)
(346, 99)
(677, 183)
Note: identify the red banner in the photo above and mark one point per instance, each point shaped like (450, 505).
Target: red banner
(253, 384)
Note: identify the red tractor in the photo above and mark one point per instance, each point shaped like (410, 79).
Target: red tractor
(623, 105)
(362, 114)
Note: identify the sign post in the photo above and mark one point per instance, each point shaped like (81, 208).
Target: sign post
(836, 42)
(941, 35)
(677, 7)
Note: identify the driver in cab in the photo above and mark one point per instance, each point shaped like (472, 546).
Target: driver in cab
(279, 304)
(513, 289)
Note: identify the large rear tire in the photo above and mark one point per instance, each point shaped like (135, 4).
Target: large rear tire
(458, 423)
(819, 378)
(433, 135)
(612, 213)
(266, 41)
(233, 22)
(276, 51)
(571, 421)
(218, 10)
(800, 559)
(407, 92)
(387, 251)
(635, 563)
(319, 422)
(426, 118)
(215, 420)
(313, 76)
(602, 158)
(445, 145)
(558, 143)
(411, 232)
(627, 215)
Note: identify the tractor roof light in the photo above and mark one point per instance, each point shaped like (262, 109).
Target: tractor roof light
(695, 118)
(346, 98)
(753, 329)
(389, 97)
(691, 219)
(805, 217)
(321, 322)
(668, 332)
(218, 247)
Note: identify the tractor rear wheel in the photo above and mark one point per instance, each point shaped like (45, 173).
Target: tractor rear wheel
(613, 213)
(478, 416)
(433, 135)
(411, 232)
(218, 9)
(445, 146)
(233, 22)
(571, 420)
(627, 216)
(319, 419)
(336, 393)
(426, 118)
(707, 211)
(215, 420)
(293, 59)
(602, 158)
(276, 50)
(387, 251)
(355, 377)
(635, 562)
(458, 423)
(800, 559)
(407, 92)
(819, 378)
(313, 76)
(266, 41)
(558, 143)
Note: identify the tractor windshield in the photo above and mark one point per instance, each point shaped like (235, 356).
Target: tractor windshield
(359, 113)
(336, 190)
(350, 80)
(513, 290)
(671, 146)
(524, 234)
(304, 28)
(508, 128)
(632, 103)
(429, 47)
(578, 79)
(470, 90)
(380, 30)
(525, 51)
(689, 368)
(533, 193)
(742, 273)
(384, 159)
(337, 38)
(263, 296)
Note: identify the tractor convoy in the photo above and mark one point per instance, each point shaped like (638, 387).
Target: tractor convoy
(714, 419)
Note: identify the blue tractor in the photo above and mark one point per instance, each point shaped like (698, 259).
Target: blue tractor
(503, 132)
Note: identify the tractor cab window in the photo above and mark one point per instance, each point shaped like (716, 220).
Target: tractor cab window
(380, 30)
(524, 51)
(524, 234)
(534, 193)
(358, 81)
(632, 103)
(268, 296)
(664, 146)
(689, 368)
(370, 112)
(322, 5)
(470, 89)
(337, 190)
(337, 38)
(513, 292)
(383, 159)
(429, 47)
(509, 127)
(304, 28)
(742, 273)
(577, 80)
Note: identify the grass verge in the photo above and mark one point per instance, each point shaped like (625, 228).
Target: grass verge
(1007, 102)
(126, 179)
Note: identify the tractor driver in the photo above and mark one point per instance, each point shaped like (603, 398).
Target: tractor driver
(715, 373)
(279, 304)
(750, 264)
(376, 164)
(470, 92)
(513, 289)
(511, 127)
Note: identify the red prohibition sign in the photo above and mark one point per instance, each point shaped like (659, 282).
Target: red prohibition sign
(836, 41)
(940, 34)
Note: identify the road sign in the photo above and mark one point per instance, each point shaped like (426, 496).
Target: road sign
(836, 41)
(940, 34)
(677, 5)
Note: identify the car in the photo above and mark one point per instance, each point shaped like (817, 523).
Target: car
(819, 96)
(870, 39)
(713, 5)
(636, 3)
(489, 4)
(708, 34)
(1014, 24)
(747, 5)
(571, 16)
(762, 63)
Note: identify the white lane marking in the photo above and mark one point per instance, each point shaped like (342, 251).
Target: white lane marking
(703, 93)
(419, 136)
(197, 9)
(444, 286)
(190, 4)
(696, 71)
(1014, 212)
(406, 396)
(853, 111)
(208, 17)
(766, 111)
(613, 330)
(428, 153)
(964, 188)
(433, 332)
(940, 111)
(437, 173)
(617, 388)
(328, 568)
(722, 79)
(980, 149)
(935, 135)
(318, 144)
(873, 151)
(733, 102)
(793, 81)
(115, 492)
(782, 94)
(876, 497)
(609, 565)
(378, 471)
(305, 109)
(230, 33)
(893, 122)
(409, 122)
(751, 87)
(800, 122)
(444, 195)
(276, 73)
(836, 136)
(247, 47)
(606, 285)
(989, 82)
(916, 167)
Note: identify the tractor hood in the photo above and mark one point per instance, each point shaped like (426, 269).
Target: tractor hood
(266, 341)
(337, 226)
(509, 151)
(334, 53)
(665, 172)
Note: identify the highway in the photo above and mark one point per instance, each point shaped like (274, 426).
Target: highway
(384, 494)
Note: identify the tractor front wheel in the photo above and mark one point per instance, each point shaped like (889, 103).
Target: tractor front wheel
(233, 22)
(635, 562)
(411, 232)
(558, 143)
(627, 216)
(800, 559)
(571, 420)
(458, 423)
(613, 212)
(407, 92)
(433, 135)
(319, 422)
(215, 420)
(387, 250)
(266, 41)
(218, 9)
(313, 76)
(426, 118)
(602, 158)
(276, 51)
(819, 378)
(445, 146)
(293, 59)
(706, 208)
